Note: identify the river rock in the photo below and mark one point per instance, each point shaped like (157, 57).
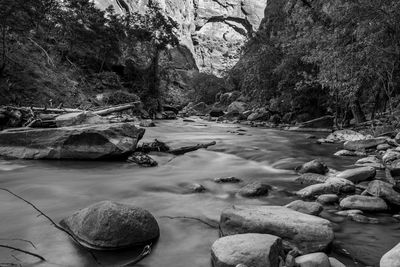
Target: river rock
(111, 225)
(348, 212)
(314, 166)
(328, 199)
(259, 115)
(82, 142)
(363, 219)
(311, 208)
(331, 186)
(364, 203)
(391, 258)
(311, 178)
(255, 250)
(382, 147)
(345, 135)
(197, 188)
(237, 107)
(255, 189)
(384, 190)
(348, 153)
(335, 263)
(142, 159)
(313, 260)
(306, 232)
(79, 118)
(357, 175)
(370, 161)
(230, 179)
(390, 156)
(147, 123)
(360, 145)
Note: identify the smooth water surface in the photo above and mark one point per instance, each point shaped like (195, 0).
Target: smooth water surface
(59, 188)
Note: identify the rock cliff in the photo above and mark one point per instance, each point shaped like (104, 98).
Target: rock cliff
(212, 32)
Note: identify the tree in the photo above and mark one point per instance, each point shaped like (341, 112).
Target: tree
(159, 31)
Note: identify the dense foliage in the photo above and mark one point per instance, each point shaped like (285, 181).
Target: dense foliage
(327, 56)
(74, 46)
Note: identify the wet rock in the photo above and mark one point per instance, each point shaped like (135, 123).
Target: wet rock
(328, 199)
(142, 159)
(357, 175)
(331, 186)
(232, 180)
(363, 219)
(79, 118)
(259, 115)
(197, 188)
(217, 112)
(348, 212)
(391, 258)
(306, 232)
(397, 137)
(311, 178)
(348, 153)
(82, 142)
(370, 161)
(311, 208)
(345, 135)
(383, 147)
(313, 260)
(385, 191)
(360, 145)
(237, 107)
(255, 250)
(390, 156)
(364, 203)
(147, 123)
(111, 225)
(335, 263)
(315, 166)
(255, 189)
(156, 146)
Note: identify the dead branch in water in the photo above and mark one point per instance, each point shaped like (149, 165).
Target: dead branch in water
(191, 218)
(52, 222)
(18, 239)
(186, 149)
(107, 111)
(146, 251)
(24, 251)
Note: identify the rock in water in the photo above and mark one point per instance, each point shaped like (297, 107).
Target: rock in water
(391, 258)
(306, 232)
(364, 203)
(311, 208)
(255, 250)
(360, 145)
(231, 179)
(109, 226)
(335, 263)
(311, 178)
(331, 186)
(328, 199)
(315, 166)
(357, 175)
(142, 159)
(345, 135)
(83, 142)
(255, 189)
(384, 190)
(370, 161)
(313, 260)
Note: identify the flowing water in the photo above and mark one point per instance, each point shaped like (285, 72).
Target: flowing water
(253, 154)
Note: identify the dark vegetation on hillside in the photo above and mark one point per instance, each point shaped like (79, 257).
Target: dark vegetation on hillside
(317, 57)
(67, 52)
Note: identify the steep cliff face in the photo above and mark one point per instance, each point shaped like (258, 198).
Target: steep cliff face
(212, 32)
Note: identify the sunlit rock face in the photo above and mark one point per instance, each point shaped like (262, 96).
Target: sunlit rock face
(212, 32)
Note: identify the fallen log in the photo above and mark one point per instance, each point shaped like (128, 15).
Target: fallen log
(186, 149)
(107, 111)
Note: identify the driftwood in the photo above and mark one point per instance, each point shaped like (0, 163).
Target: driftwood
(186, 149)
(24, 251)
(107, 111)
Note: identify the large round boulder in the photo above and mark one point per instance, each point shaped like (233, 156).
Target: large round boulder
(391, 258)
(109, 225)
(255, 250)
(315, 166)
(306, 232)
(384, 190)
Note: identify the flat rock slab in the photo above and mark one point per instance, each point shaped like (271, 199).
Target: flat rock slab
(83, 142)
(358, 174)
(364, 203)
(391, 258)
(306, 232)
(345, 135)
(331, 186)
(255, 250)
(109, 226)
(359, 145)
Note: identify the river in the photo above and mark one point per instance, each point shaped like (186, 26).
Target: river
(253, 154)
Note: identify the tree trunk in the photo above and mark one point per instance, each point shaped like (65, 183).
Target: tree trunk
(358, 113)
(155, 91)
